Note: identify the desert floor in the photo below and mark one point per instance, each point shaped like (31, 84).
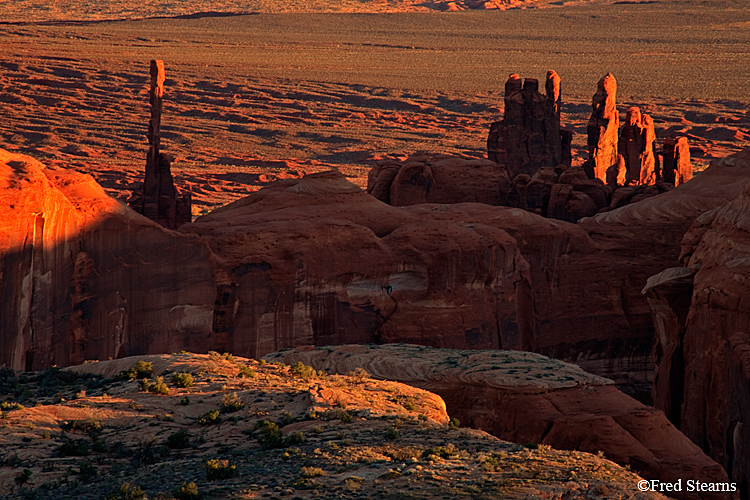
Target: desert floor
(253, 98)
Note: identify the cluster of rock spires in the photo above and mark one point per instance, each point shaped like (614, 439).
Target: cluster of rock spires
(529, 160)
(157, 198)
(628, 156)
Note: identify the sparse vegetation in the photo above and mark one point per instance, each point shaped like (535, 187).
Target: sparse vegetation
(312, 472)
(188, 491)
(219, 469)
(454, 424)
(140, 370)
(246, 372)
(178, 440)
(84, 465)
(211, 417)
(301, 370)
(183, 380)
(231, 403)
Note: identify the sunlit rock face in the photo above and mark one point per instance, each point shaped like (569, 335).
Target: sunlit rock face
(84, 277)
(702, 317)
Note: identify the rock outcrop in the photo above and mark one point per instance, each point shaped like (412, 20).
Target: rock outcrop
(318, 261)
(603, 130)
(157, 198)
(438, 179)
(267, 430)
(702, 353)
(529, 135)
(528, 398)
(84, 277)
(636, 145)
(677, 168)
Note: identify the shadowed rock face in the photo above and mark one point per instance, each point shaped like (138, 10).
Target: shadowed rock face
(525, 397)
(84, 277)
(529, 136)
(318, 261)
(438, 179)
(702, 352)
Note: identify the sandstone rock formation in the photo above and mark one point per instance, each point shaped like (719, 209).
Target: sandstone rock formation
(524, 397)
(84, 277)
(676, 168)
(702, 353)
(158, 199)
(318, 261)
(603, 129)
(529, 135)
(438, 179)
(636, 145)
(645, 238)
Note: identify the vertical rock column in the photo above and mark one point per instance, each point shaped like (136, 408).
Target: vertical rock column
(677, 168)
(603, 128)
(636, 146)
(158, 199)
(529, 136)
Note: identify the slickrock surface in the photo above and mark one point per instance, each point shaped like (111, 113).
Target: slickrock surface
(525, 397)
(83, 276)
(701, 315)
(249, 429)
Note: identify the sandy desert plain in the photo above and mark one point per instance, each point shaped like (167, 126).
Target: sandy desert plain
(253, 98)
(258, 91)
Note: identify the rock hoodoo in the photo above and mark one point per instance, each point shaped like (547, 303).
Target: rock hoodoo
(636, 146)
(603, 130)
(157, 198)
(528, 398)
(677, 168)
(529, 135)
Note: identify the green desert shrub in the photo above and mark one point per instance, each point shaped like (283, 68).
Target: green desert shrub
(178, 440)
(183, 380)
(188, 491)
(142, 369)
(211, 417)
(301, 370)
(128, 492)
(231, 402)
(73, 448)
(246, 372)
(219, 469)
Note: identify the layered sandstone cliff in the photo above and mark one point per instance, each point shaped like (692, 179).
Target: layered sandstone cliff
(702, 354)
(84, 277)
